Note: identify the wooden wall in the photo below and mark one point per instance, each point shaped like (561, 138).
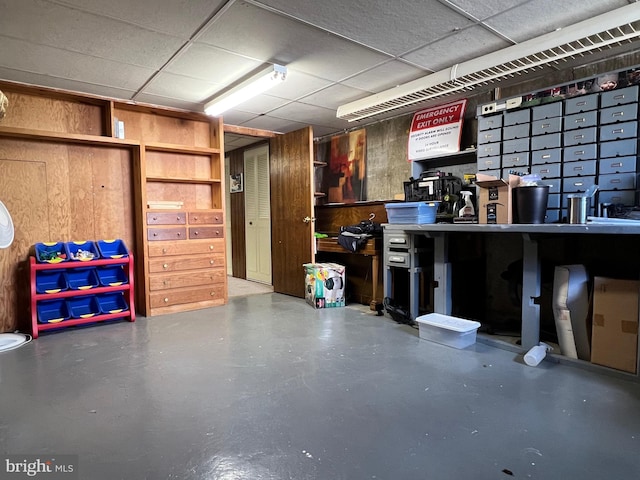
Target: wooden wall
(236, 210)
(58, 192)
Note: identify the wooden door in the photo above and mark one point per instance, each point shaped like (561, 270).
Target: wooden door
(291, 209)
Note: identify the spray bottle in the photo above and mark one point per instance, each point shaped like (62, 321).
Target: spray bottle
(467, 209)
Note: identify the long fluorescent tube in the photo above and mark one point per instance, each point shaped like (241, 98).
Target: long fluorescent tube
(256, 85)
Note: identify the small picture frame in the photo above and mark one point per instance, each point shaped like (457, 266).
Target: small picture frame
(236, 183)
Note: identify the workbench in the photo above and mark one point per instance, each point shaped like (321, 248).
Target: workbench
(399, 251)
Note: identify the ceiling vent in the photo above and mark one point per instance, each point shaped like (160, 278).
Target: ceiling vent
(596, 34)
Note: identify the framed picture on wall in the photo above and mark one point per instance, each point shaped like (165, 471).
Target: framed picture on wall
(236, 185)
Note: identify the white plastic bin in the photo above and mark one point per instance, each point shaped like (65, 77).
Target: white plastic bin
(452, 331)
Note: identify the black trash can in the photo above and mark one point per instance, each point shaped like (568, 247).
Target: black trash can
(530, 202)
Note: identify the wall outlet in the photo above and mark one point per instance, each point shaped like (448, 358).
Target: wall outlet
(488, 108)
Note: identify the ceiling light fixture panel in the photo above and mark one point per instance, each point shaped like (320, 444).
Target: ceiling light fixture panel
(257, 84)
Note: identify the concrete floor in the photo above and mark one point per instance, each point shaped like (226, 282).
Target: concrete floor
(268, 388)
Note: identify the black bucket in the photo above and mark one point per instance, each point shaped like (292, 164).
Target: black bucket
(530, 203)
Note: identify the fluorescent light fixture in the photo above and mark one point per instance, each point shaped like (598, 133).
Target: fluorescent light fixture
(599, 33)
(247, 89)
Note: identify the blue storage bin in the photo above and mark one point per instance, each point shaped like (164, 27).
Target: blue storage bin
(112, 248)
(51, 281)
(82, 251)
(51, 252)
(111, 276)
(82, 278)
(83, 307)
(112, 303)
(412, 212)
(52, 311)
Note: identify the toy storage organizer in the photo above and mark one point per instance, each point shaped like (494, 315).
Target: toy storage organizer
(68, 293)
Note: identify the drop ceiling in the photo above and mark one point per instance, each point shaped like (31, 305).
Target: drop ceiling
(179, 53)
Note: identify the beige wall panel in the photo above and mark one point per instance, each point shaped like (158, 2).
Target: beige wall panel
(165, 164)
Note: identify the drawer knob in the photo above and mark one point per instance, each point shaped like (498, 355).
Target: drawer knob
(166, 299)
(166, 265)
(155, 234)
(165, 283)
(217, 219)
(178, 234)
(217, 232)
(155, 218)
(195, 218)
(211, 262)
(210, 247)
(164, 250)
(213, 294)
(195, 233)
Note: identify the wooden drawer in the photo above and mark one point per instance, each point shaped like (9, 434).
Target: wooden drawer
(186, 248)
(206, 232)
(200, 218)
(154, 234)
(165, 218)
(176, 264)
(190, 279)
(190, 295)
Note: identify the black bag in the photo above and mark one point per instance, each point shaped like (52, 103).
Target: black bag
(354, 237)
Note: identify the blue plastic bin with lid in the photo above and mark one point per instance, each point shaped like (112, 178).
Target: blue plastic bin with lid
(412, 212)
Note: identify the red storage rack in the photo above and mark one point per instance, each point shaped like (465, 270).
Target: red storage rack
(127, 290)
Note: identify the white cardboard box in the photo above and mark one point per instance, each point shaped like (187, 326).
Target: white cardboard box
(447, 330)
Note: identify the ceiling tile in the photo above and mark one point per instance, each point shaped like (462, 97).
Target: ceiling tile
(486, 8)
(451, 50)
(169, 102)
(274, 38)
(538, 17)
(334, 96)
(385, 76)
(64, 84)
(265, 122)
(87, 33)
(379, 23)
(64, 64)
(189, 89)
(180, 18)
(212, 64)
(262, 104)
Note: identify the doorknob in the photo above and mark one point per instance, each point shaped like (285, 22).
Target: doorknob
(308, 219)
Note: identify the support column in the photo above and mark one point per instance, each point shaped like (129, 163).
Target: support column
(531, 280)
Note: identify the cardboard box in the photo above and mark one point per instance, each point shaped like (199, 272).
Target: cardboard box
(615, 323)
(494, 199)
(324, 285)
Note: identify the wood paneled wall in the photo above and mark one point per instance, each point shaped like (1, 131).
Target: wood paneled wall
(236, 210)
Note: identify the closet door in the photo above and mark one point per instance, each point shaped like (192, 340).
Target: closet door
(257, 214)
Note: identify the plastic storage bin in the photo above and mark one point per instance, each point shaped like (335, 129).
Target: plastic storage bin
(111, 276)
(112, 248)
(452, 331)
(112, 303)
(52, 311)
(82, 278)
(82, 251)
(53, 252)
(83, 307)
(51, 281)
(412, 212)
